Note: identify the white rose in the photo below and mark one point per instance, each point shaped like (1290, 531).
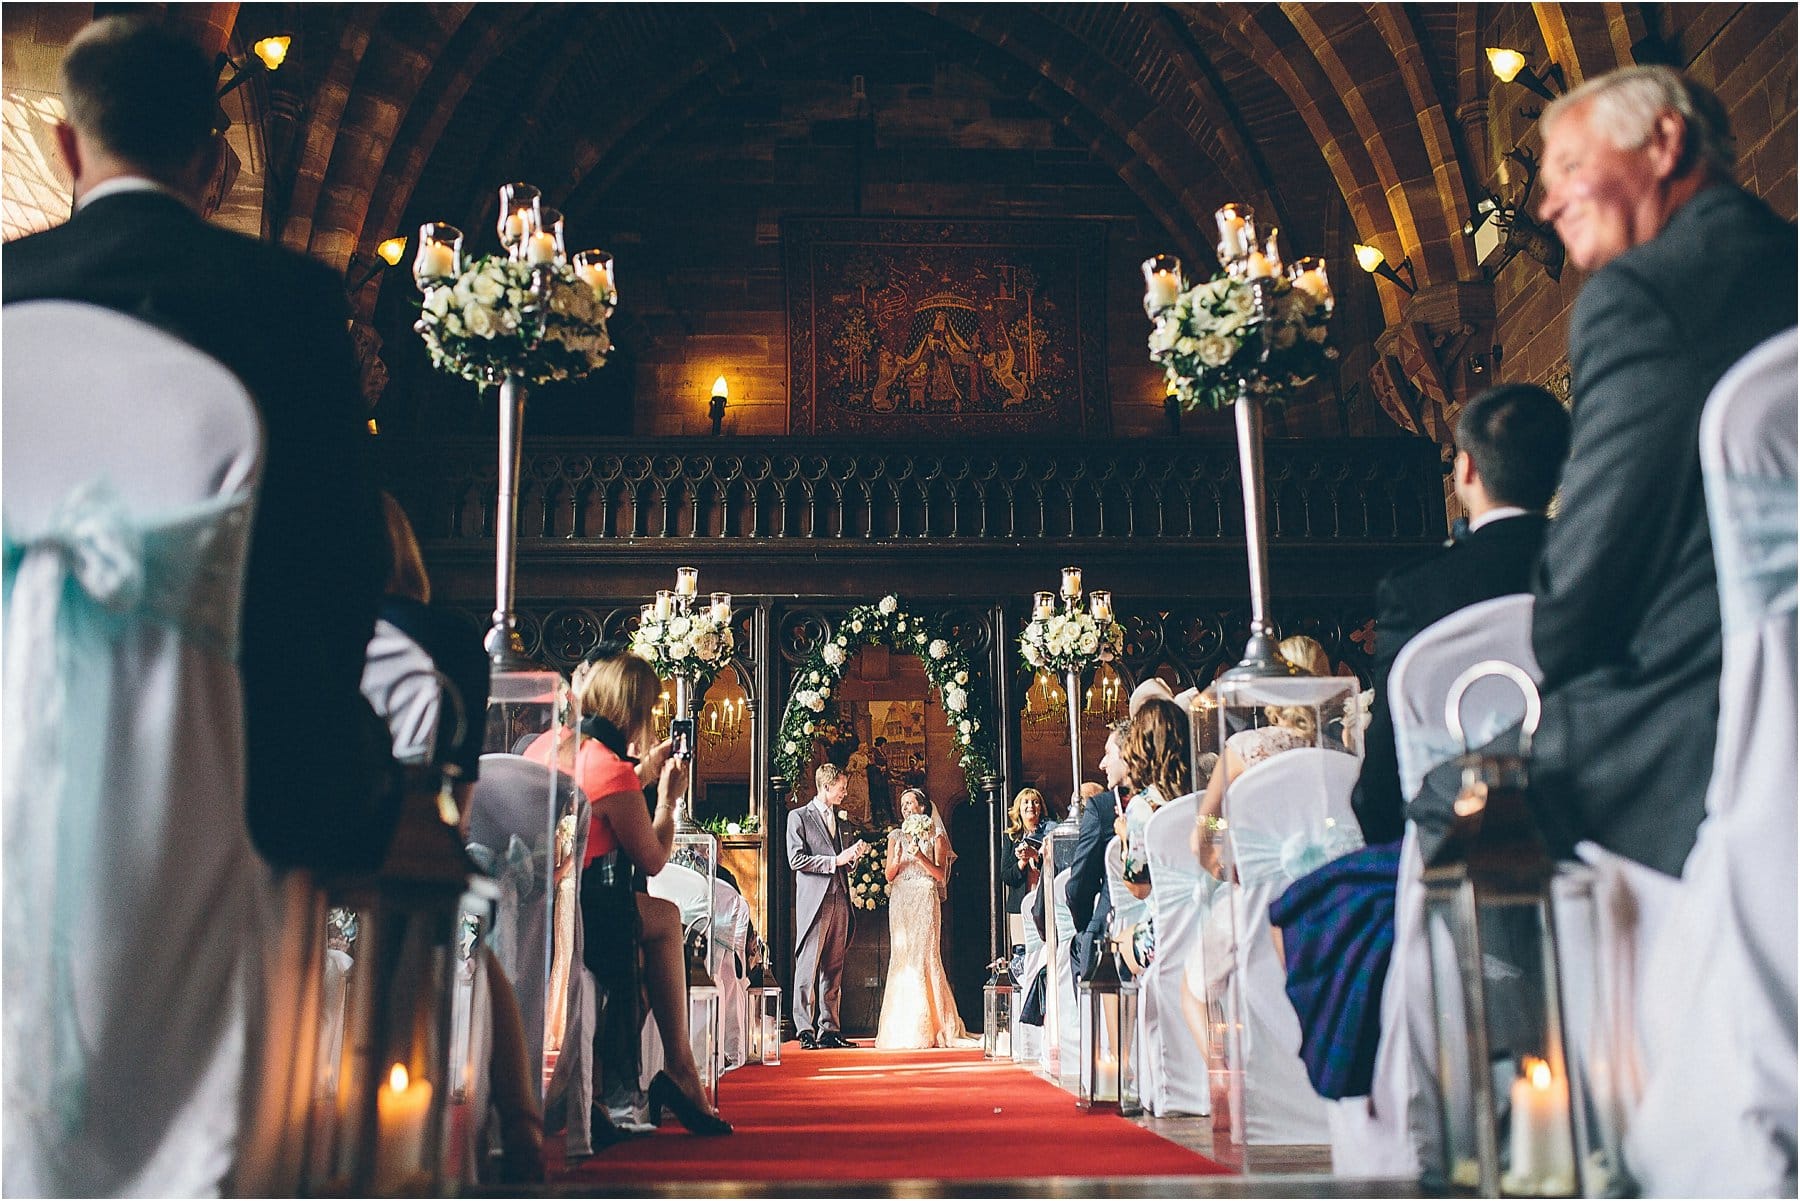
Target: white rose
(1090, 642)
(816, 703)
(453, 324)
(1031, 655)
(807, 728)
(888, 604)
(437, 301)
(901, 625)
(843, 815)
(791, 747)
(733, 828)
(479, 321)
(967, 727)
(856, 627)
(679, 650)
(814, 677)
(824, 690)
(1216, 350)
(962, 677)
(804, 698)
(974, 725)
(706, 645)
(833, 654)
(955, 698)
(1240, 300)
(679, 626)
(1163, 336)
(919, 638)
(939, 648)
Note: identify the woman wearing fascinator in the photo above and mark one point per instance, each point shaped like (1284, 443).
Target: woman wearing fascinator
(918, 1010)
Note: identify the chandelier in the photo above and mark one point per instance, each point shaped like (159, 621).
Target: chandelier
(1105, 702)
(722, 722)
(1044, 703)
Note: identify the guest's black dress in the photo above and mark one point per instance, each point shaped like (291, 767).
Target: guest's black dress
(1016, 878)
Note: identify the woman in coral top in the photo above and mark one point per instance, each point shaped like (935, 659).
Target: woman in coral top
(616, 696)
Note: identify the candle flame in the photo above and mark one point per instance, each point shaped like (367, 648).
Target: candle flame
(397, 1079)
(1538, 1072)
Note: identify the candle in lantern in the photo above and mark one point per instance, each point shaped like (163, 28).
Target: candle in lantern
(1043, 605)
(1101, 605)
(1258, 266)
(1309, 277)
(647, 614)
(665, 603)
(687, 582)
(1162, 281)
(515, 228)
(1003, 1045)
(436, 261)
(1541, 1142)
(540, 248)
(721, 606)
(1237, 231)
(1071, 583)
(403, 1109)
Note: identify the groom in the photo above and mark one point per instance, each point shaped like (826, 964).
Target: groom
(822, 903)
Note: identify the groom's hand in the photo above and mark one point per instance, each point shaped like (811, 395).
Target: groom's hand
(850, 854)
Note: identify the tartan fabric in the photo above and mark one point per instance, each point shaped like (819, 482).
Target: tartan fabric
(1337, 928)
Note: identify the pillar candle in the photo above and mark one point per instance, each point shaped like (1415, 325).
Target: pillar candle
(1259, 266)
(1541, 1145)
(1044, 605)
(1161, 288)
(541, 248)
(687, 581)
(1071, 582)
(437, 261)
(403, 1108)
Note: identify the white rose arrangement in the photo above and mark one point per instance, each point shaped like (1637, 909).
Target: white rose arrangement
(1064, 642)
(488, 323)
(693, 644)
(1211, 336)
(916, 829)
(812, 708)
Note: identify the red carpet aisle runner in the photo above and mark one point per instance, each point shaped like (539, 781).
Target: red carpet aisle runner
(897, 1115)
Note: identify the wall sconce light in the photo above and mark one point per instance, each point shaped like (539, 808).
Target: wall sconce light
(1479, 363)
(1502, 228)
(716, 408)
(387, 254)
(1509, 66)
(1370, 259)
(265, 55)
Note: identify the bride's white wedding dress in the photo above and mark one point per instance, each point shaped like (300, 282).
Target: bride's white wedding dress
(918, 1009)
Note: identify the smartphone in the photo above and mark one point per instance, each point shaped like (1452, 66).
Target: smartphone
(681, 732)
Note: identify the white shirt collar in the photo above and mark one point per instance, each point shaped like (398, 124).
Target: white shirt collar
(1497, 513)
(120, 184)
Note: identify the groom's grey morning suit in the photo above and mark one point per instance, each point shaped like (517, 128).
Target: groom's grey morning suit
(822, 917)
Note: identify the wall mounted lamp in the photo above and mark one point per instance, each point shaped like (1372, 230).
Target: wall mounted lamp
(265, 55)
(1370, 259)
(1509, 66)
(387, 254)
(716, 407)
(1502, 228)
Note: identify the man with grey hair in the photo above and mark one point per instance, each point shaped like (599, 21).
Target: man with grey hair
(820, 859)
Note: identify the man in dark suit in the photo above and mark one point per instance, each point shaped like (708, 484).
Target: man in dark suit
(140, 143)
(1090, 904)
(1688, 273)
(1511, 442)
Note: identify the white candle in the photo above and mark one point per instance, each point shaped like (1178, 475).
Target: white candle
(593, 277)
(1101, 604)
(1541, 1145)
(687, 581)
(1232, 239)
(1045, 605)
(1259, 266)
(403, 1109)
(1003, 1045)
(1071, 582)
(721, 606)
(1314, 284)
(665, 601)
(541, 248)
(437, 261)
(1161, 289)
(515, 228)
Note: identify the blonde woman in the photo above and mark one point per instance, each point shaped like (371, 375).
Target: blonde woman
(1028, 823)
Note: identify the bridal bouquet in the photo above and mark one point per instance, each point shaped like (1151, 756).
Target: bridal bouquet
(695, 644)
(1211, 337)
(916, 829)
(1064, 642)
(868, 876)
(489, 321)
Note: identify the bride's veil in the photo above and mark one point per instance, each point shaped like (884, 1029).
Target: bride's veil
(938, 829)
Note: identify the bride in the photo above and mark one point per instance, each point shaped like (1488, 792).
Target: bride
(918, 1009)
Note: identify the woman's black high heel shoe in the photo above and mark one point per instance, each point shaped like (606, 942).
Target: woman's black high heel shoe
(663, 1092)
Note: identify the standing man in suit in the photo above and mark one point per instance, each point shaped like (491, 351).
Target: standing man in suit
(1688, 272)
(1511, 443)
(1090, 904)
(139, 141)
(822, 904)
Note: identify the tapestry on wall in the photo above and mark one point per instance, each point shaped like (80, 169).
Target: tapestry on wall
(922, 327)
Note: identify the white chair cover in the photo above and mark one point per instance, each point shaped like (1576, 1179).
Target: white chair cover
(1173, 1063)
(1398, 1134)
(513, 809)
(1127, 910)
(732, 917)
(136, 910)
(686, 889)
(1028, 1041)
(1285, 816)
(1062, 1036)
(1718, 1114)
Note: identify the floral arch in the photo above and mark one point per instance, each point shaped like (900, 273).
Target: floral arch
(814, 702)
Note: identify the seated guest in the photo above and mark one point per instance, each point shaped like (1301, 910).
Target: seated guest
(1511, 443)
(617, 696)
(1685, 273)
(1156, 762)
(1085, 891)
(1028, 823)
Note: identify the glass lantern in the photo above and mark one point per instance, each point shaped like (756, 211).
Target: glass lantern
(1060, 1038)
(522, 803)
(997, 998)
(1106, 1013)
(703, 1019)
(1509, 1128)
(768, 1023)
(389, 1112)
(698, 851)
